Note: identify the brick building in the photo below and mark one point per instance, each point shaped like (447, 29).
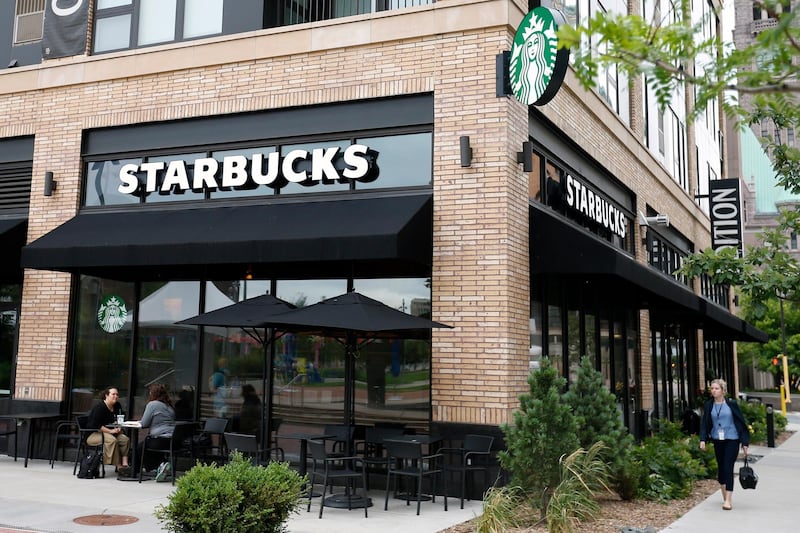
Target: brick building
(178, 163)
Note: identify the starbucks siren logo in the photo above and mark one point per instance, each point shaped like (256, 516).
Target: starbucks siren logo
(537, 66)
(112, 314)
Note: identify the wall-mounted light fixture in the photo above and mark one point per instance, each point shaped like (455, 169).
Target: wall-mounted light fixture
(657, 220)
(14, 63)
(248, 275)
(466, 150)
(49, 184)
(526, 156)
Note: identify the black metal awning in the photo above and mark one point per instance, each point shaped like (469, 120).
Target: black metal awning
(13, 234)
(324, 238)
(559, 247)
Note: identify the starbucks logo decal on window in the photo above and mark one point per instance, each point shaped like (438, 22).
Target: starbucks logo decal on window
(112, 314)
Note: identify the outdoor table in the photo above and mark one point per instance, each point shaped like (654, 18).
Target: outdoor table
(33, 419)
(131, 428)
(423, 439)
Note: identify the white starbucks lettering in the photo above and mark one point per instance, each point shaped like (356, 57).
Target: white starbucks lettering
(583, 199)
(319, 166)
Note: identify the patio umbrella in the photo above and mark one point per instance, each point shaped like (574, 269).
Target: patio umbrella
(251, 315)
(350, 316)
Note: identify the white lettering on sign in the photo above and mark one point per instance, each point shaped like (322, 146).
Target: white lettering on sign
(725, 214)
(319, 166)
(64, 11)
(581, 198)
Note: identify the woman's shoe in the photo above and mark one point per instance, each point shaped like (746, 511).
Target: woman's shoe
(726, 506)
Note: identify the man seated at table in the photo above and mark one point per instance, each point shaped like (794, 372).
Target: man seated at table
(102, 418)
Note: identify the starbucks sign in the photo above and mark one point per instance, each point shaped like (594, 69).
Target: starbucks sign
(112, 314)
(537, 65)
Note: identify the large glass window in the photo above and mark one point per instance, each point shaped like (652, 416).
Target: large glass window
(402, 160)
(122, 24)
(10, 299)
(104, 320)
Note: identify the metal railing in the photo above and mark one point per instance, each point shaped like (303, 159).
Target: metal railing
(301, 11)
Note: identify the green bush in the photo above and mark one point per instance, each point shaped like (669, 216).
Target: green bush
(544, 430)
(671, 463)
(598, 419)
(236, 498)
(756, 416)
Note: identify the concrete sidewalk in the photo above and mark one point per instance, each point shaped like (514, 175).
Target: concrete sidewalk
(768, 507)
(47, 501)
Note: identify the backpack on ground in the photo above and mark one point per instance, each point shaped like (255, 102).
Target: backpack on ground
(89, 466)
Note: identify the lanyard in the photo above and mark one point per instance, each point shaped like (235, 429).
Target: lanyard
(717, 412)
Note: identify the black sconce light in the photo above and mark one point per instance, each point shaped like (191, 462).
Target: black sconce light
(526, 156)
(49, 184)
(466, 150)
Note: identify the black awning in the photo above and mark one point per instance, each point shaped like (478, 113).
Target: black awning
(559, 247)
(280, 238)
(13, 234)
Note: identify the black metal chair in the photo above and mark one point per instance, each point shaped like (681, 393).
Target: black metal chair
(332, 468)
(177, 445)
(473, 456)
(66, 436)
(212, 432)
(8, 427)
(406, 460)
(84, 447)
(342, 440)
(247, 445)
(372, 450)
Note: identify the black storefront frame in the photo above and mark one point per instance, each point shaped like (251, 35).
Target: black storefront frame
(398, 115)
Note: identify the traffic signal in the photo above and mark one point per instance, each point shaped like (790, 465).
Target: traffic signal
(775, 361)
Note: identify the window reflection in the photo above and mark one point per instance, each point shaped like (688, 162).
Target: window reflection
(398, 167)
(102, 359)
(102, 183)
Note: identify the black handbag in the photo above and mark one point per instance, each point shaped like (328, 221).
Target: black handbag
(747, 476)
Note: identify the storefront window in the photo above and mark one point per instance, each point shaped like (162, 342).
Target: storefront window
(10, 298)
(535, 350)
(103, 326)
(605, 354)
(305, 165)
(555, 338)
(175, 193)
(239, 193)
(397, 169)
(166, 351)
(573, 336)
(102, 183)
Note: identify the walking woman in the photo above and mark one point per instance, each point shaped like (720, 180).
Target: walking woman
(724, 424)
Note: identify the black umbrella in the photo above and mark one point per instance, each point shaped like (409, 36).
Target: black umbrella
(251, 315)
(350, 316)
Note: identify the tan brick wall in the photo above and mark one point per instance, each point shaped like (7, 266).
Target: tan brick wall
(481, 273)
(481, 280)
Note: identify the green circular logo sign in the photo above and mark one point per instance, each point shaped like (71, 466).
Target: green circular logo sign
(112, 314)
(537, 66)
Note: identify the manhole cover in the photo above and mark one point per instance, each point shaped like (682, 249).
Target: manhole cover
(105, 520)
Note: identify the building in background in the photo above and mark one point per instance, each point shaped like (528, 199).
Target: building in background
(190, 155)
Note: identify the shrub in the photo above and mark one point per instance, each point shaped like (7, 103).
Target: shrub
(544, 429)
(598, 419)
(504, 508)
(236, 498)
(583, 474)
(669, 466)
(755, 414)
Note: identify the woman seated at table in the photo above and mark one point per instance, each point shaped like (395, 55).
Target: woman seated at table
(159, 417)
(102, 418)
(250, 412)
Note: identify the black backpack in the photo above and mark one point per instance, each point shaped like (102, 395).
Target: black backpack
(89, 467)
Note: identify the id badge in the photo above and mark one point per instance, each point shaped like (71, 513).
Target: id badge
(720, 434)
